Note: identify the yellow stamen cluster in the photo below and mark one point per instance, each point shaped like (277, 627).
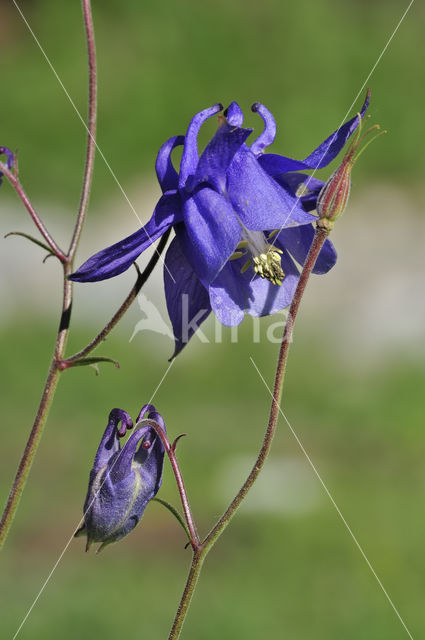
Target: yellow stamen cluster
(265, 258)
(267, 265)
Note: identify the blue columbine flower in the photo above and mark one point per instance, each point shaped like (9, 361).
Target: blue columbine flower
(241, 218)
(4, 151)
(122, 481)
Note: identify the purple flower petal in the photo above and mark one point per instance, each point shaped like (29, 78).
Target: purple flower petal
(212, 231)
(122, 464)
(234, 115)
(150, 461)
(190, 152)
(146, 410)
(117, 258)
(167, 176)
(266, 298)
(217, 156)
(267, 137)
(227, 300)
(329, 149)
(187, 299)
(275, 165)
(298, 240)
(110, 442)
(233, 293)
(292, 182)
(260, 202)
(324, 154)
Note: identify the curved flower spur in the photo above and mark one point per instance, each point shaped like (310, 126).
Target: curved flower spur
(241, 219)
(122, 480)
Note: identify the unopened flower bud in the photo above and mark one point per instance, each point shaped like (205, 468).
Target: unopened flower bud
(333, 197)
(4, 151)
(122, 480)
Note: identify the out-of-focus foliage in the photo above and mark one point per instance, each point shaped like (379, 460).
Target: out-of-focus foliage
(276, 572)
(160, 62)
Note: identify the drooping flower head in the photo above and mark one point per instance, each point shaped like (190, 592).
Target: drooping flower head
(241, 221)
(122, 480)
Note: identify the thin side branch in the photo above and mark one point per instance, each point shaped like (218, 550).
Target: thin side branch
(141, 280)
(13, 178)
(91, 135)
(194, 538)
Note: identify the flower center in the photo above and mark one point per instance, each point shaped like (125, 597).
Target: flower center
(265, 258)
(267, 265)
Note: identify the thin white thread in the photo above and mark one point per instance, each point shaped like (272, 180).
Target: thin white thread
(338, 510)
(344, 118)
(45, 583)
(87, 129)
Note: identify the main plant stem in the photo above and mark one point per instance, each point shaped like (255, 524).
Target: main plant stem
(198, 558)
(205, 546)
(67, 260)
(41, 416)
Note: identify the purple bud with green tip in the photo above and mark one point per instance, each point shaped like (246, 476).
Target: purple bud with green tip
(4, 151)
(333, 197)
(122, 480)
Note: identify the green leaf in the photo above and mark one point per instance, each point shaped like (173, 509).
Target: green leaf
(175, 513)
(31, 239)
(92, 362)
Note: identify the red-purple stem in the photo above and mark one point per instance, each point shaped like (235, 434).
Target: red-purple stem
(170, 451)
(13, 178)
(141, 279)
(91, 128)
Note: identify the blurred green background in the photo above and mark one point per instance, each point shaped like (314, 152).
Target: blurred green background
(286, 567)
